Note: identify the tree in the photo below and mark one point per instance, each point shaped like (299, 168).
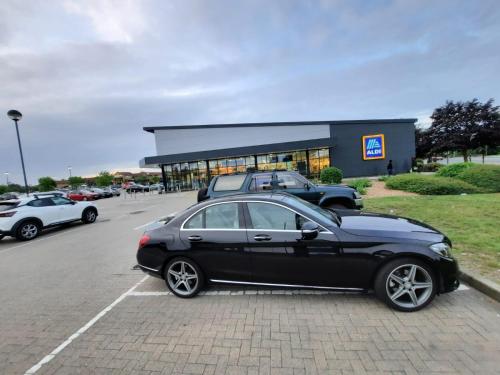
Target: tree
(104, 179)
(423, 142)
(75, 181)
(141, 179)
(46, 183)
(154, 179)
(3, 189)
(463, 126)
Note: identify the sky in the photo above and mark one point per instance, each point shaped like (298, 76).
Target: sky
(88, 75)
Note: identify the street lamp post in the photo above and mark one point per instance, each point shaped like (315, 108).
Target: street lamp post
(6, 178)
(16, 116)
(69, 170)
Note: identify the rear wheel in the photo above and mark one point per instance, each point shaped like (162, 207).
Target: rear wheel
(89, 215)
(28, 230)
(183, 277)
(406, 284)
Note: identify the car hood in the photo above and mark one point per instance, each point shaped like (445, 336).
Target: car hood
(327, 188)
(381, 225)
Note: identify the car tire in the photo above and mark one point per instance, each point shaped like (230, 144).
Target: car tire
(1, 236)
(183, 277)
(406, 284)
(202, 194)
(28, 230)
(89, 215)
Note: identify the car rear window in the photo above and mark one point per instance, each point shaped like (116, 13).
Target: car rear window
(228, 183)
(5, 206)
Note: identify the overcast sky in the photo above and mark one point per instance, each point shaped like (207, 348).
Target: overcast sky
(87, 75)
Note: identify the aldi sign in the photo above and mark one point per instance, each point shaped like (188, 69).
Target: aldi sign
(373, 147)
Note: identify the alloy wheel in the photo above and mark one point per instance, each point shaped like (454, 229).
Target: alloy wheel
(91, 216)
(409, 286)
(182, 278)
(29, 231)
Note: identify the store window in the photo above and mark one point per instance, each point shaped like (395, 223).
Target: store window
(318, 160)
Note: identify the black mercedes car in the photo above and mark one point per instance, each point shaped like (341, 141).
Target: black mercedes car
(282, 240)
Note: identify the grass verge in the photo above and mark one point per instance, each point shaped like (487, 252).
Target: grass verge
(470, 221)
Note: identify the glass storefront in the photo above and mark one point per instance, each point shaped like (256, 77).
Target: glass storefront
(194, 175)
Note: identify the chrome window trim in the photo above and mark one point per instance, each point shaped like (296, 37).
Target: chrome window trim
(283, 285)
(251, 229)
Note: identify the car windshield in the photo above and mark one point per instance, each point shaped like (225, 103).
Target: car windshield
(325, 214)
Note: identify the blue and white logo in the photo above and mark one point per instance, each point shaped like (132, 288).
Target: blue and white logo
(373, 147)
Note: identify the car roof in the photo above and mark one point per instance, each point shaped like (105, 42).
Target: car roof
(280, 196)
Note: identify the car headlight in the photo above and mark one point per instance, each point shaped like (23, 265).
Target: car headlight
(442, 249)
(357, 195)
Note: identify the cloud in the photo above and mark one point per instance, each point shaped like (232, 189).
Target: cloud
(87, 75)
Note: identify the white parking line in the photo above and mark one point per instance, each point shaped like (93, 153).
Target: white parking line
(75, 335)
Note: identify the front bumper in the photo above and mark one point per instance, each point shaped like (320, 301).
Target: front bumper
(449, 271)
(358, 203)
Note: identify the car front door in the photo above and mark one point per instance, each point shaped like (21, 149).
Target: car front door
(45, 209)
(216, 238)
(281, 256)
(298, 185)
(68, 210)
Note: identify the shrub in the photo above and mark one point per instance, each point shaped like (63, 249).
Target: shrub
(383, 178)
(331, 175)
(486, 177)
(431, 167)
(360, 184)
(430, 185)
(453, 170)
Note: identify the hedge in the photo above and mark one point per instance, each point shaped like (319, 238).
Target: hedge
(331, 175)
(453, 170)
(360, 184)
(486, 177)
(430, 185)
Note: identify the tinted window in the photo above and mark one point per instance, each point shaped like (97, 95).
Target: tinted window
(43, 202)
(271, 216)
(7, 206)
(261, 182)
(227, 183)
(290, 181)
(58, 201)
(219, 216)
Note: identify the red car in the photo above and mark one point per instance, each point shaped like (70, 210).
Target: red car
(82, 195)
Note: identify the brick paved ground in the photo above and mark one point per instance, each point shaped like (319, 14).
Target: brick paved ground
(238, 332)
(51, 287)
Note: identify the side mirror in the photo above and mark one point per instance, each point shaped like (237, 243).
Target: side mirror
(309, 230)
(306, 186)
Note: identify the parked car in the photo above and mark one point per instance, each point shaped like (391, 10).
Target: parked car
(7, 196)
(135, 188)
(103, 193)
(154, 187)
(114, 191)
(25, 218)
(330, 196)
(82, 195)
(273, 239)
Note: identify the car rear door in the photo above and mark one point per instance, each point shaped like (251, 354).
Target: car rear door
(281, 256)
(215, 237)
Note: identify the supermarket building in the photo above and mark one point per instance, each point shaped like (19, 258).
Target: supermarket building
(189, 155)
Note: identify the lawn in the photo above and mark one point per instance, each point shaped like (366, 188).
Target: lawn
(472, 222)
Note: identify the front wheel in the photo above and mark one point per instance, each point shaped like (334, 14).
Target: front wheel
(89, 215)
(406, 284)
(183, 277)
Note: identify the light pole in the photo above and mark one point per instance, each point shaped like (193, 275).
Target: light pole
(6, 178)
(69, 170)
(16, 116)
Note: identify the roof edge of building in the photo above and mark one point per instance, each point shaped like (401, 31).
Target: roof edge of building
(151, 129)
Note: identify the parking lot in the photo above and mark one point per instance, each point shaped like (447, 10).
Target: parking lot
(70, 303)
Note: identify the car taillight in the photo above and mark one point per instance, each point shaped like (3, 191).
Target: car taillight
(7, 214)
(144, 240)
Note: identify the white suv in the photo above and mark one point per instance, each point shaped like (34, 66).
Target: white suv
(24, 218)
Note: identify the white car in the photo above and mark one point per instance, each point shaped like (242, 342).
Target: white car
(25, 218)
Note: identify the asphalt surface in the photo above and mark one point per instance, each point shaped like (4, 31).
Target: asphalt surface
(70, 304)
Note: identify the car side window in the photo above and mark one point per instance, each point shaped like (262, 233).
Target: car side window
(219, 216)
(59, 201)
(261, 182)
(289, 181)
(43, 202)
(273, 217)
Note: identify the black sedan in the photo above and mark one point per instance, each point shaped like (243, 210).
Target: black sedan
(281, 240)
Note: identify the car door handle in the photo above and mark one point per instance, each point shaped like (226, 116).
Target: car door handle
(262, 237)
(195, 238)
